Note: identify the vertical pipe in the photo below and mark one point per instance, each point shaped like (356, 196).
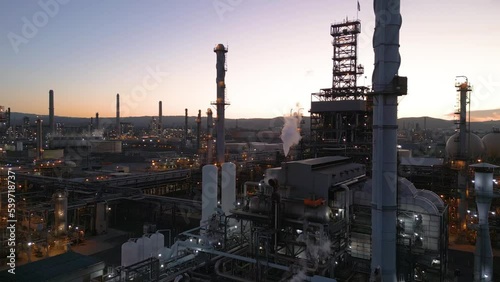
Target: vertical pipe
(210, 126)
(221, 51)
(118, 129)
(51, 112)
(384, 196)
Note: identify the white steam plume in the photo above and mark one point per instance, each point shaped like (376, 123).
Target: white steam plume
(290, 134)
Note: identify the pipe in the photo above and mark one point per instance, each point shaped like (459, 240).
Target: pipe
(347, 206)
(230, 277)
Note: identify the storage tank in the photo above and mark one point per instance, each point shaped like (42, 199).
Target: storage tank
(144, 248)
(130, 253)
(157, 243)
(475, 150)
(491, 143)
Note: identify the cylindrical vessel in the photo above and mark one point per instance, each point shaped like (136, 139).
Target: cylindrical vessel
(60, 199)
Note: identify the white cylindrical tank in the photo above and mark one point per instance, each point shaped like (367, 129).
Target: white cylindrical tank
(157, 243)
(228, 187)
(130, 254)
(209, 192)
(144, 248)
(60, 199)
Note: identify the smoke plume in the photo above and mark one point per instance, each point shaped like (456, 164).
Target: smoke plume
(290, 134)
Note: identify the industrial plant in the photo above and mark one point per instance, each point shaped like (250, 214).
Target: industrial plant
(349, 193)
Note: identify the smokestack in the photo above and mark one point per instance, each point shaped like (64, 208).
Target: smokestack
(160, 118)
(97, 121)
(210, 126)
(39, 139)
(52, 127)
(118, 129)
(387, 87)
(185, 127)
(198, 129)
(8, 117)
(221, 51)
(91, 125)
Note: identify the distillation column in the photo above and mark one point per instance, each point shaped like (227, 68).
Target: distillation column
(483, 255)
(386, 87)
(463, 88)
(221, 51)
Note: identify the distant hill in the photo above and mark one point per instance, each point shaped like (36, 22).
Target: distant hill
(168, 121)
(248, 124)
(435, 123)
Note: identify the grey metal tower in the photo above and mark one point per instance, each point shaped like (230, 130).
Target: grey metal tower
(387, 86)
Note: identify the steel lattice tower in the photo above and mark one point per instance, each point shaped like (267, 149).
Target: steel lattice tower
(341, 115)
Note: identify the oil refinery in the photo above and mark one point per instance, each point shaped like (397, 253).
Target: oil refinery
(349, 193)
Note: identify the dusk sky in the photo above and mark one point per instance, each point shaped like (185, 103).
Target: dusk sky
(279, 53)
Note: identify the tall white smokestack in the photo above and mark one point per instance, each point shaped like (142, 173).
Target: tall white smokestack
(386, 87)
(221, 51)
(118, 128)
(52, 126)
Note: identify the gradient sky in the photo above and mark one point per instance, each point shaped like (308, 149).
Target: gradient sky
(279, 53)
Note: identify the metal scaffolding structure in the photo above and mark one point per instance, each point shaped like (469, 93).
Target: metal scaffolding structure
(341, 115)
